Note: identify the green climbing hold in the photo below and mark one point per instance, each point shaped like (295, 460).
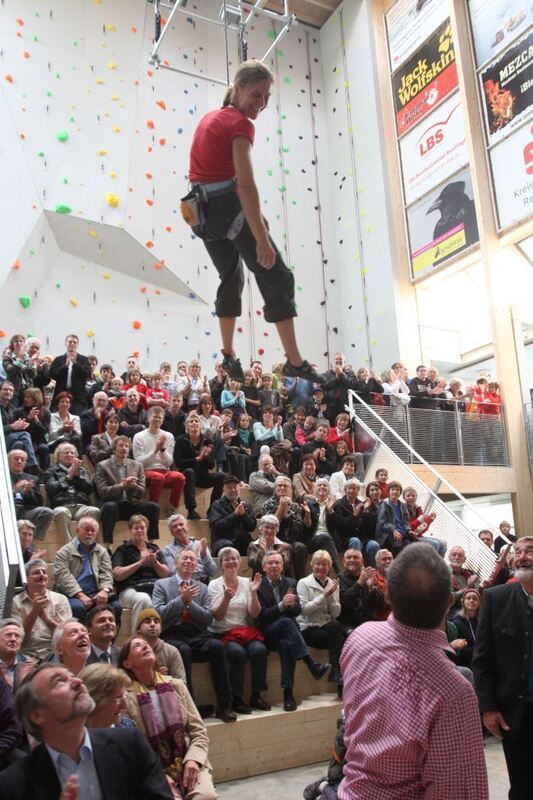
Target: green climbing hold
(282, 188)
(40, 154)
(62, 209)
(286, 79)
(269, 172)
(24, 301)
(62, 136)
(58, 286)
(272, 34)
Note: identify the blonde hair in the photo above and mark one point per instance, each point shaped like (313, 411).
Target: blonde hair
(248, 72)
(102, 679)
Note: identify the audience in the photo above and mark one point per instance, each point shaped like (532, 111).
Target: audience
(178, 607)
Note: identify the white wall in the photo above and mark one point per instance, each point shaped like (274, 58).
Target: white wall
(83, 68)
(364, 258)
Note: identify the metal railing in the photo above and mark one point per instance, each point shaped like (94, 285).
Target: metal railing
(392, 452)
(451, 436)
(11, 560)
(528, 419)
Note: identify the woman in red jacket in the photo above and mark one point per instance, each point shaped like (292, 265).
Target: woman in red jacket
(233, 228)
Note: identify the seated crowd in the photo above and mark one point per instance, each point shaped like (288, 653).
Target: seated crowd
(318, 544)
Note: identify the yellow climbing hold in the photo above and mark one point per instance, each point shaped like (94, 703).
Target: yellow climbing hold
(116, 128)
(90, 333)
(112, 174)
(106, 276)
(73, 301)
(92, 233)
(112, 200)
(99, 80)
(111, 27)
(101, 152)
(111, 65)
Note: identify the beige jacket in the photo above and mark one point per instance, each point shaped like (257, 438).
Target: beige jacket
(68, 565)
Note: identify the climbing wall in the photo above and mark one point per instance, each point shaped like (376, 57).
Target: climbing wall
(94, 147)
(365, 262)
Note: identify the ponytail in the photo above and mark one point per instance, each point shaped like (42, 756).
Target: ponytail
(227, 97)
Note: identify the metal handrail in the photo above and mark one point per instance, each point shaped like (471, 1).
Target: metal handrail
(11, 560)
(528, 423)
(439, 479)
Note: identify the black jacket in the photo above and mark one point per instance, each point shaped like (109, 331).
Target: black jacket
(185, 456)
(24, 501)
(127, 768)
(502, 653)
(64, 491)
(323, 466)
(270, 611)
(358, 603)
(132, 422)
(226, 524)
(81, 372)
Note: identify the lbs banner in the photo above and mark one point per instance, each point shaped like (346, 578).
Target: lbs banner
(495, 23)
(507, 86)
(512, 170)
(434, 150)
(442, 224)
(409, 23)
(427, 78)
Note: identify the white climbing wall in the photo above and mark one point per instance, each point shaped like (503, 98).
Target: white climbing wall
(94, 151)
(364, 258)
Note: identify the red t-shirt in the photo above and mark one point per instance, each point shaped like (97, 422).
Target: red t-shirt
(211, 156)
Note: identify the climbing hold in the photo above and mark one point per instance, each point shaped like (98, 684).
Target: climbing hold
(24, 301)
(73, 302)
(61, 208)
(136, 325)
(112, 200)
(62, 136)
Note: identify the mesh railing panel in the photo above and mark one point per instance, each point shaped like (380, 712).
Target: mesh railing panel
(528, 414)
(447, 525)
(441, 437)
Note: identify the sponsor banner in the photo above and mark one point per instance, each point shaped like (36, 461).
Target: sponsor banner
(409, 24)
(426, 79)
(512, 171)
(434, 150)
(507, 88)
(442, 224)
(495, 23)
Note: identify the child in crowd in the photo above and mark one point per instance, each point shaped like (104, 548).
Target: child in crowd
(233, 399)
(251, 394)
(269, 396)
(382, 477)
(156, 395)
(306, 432)
(116, 393)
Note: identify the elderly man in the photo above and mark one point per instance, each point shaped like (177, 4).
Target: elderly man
(154, 449)
(71, 645)
(120, 484)
(132, 416)
(261, 482)
(462, 578)
(39, 611)
(384, 560)
(102, 627)
(83, 572)
(184, 607)
(194, 457)
(277, 621)
(92, 420)
(71, 372)
(13, 664)
(503, 667)
(69, 488)
(205, 564)
(15, 430)
(27, 497)
(231, 519)
(71, 761)
(338, 380)
(431, 708)
(292, 522)
(303, 482)
(359, 596)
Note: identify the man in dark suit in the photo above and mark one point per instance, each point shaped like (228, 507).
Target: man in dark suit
(183, 605)
(277, 621)
(503, 668)
(71, 372)
(102, 627)
(231, 520)
(114, 764)
(120, 485)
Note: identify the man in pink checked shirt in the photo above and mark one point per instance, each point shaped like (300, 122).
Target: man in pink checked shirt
(413, 730)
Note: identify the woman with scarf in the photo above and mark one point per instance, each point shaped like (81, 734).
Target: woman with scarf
(164, 712)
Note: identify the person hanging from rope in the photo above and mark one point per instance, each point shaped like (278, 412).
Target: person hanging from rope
(223, 209)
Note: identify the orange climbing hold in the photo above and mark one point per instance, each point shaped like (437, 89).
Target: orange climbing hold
(161, 104)
(150, 124)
